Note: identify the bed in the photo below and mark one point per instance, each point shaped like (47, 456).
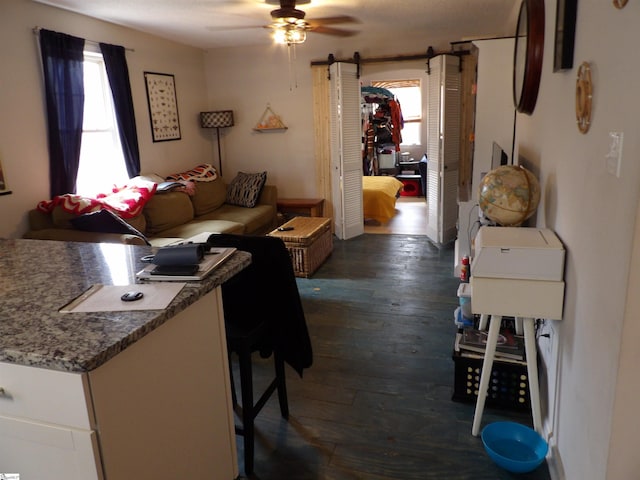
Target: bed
(379, 196)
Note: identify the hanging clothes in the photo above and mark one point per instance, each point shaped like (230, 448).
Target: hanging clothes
(383, 130)
(397, 122)
(370, 149)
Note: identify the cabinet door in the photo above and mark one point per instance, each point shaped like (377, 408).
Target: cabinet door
(41, 451)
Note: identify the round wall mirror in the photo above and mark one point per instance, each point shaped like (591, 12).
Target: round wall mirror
(527, 55)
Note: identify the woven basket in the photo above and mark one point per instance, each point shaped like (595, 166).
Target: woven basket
(309, 243)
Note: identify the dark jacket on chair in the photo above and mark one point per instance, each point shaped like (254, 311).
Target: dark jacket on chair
(267, 291)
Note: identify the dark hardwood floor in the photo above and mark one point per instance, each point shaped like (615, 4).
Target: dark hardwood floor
(376, 404)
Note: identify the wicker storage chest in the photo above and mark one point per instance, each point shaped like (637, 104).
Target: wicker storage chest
(310, 242)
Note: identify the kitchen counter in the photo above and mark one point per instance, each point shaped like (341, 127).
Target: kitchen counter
(91, 396)
(38, 277)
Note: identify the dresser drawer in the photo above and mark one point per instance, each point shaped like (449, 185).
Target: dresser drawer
(47, 396)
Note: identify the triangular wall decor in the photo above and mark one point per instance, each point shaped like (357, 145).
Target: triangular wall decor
(269, 121)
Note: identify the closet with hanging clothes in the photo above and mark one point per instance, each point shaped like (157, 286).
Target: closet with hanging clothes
(382, 131)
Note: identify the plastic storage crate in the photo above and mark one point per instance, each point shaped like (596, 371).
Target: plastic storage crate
(508, 386)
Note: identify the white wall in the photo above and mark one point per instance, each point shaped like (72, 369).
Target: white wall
(494, 105)
(247, 81)
(594, 214)
(23, 146)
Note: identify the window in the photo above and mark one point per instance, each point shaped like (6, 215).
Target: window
(102, 163)
(409, 95)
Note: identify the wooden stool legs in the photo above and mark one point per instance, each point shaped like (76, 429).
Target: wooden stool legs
(249, 410)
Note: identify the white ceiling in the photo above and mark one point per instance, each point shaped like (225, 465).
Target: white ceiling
(224, 23)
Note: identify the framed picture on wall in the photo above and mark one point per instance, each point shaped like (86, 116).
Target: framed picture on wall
(163, 106)
(565, 34)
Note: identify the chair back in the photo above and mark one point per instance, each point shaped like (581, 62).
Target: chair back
(267, 291)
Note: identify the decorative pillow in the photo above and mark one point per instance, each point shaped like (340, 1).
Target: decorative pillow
(105, 221)
(245, 189)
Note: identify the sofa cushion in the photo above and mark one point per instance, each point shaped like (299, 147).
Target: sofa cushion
(244, 190)
(257, 219)
(61, 218)
(208, 196)
(138, 222)
(167, 210)
(104, 221)
(198, 226)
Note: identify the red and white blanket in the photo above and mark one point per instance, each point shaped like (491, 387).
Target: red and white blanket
(204, 172)
(126, 202)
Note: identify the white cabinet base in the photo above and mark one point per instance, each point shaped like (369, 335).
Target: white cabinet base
(163, 405)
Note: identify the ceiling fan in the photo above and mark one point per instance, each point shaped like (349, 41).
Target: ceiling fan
(289, 25)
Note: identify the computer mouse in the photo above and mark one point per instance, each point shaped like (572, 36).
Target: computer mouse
(131, 296)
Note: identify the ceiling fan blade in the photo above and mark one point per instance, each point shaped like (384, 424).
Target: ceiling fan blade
(333, 20)
(217, 28)
(337, 32)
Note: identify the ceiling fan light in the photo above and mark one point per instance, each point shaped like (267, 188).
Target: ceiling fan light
(280, 36)
(287, 34)
(298, 35)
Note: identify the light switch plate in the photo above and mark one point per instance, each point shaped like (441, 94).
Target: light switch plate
(614, 157)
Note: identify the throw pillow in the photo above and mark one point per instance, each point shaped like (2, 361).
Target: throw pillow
(105, 221)
(244, 190)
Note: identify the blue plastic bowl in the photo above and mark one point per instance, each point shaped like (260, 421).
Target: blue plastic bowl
(514, 447)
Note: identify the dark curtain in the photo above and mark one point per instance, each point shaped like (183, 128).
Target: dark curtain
(118, 74)
(62, 61)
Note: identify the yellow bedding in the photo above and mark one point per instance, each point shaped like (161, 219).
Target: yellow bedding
(379, 196)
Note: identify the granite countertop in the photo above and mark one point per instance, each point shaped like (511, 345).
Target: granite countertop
(38, 277)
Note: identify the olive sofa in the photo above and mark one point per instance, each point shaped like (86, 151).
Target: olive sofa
(166, 217)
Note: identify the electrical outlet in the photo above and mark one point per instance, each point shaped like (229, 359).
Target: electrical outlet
(546, 338)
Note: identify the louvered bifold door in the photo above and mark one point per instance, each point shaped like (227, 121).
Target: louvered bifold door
(346, 158)
(443, 147)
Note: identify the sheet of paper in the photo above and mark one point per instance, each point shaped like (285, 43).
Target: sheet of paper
(106, 298)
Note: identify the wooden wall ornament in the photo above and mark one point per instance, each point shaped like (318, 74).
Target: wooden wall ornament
(269, 121)
(584, 97)
(619, 3)
(527, 55)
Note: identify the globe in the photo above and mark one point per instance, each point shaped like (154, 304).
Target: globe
(508, 195)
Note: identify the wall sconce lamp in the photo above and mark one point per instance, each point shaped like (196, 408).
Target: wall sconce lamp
(217, 120)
